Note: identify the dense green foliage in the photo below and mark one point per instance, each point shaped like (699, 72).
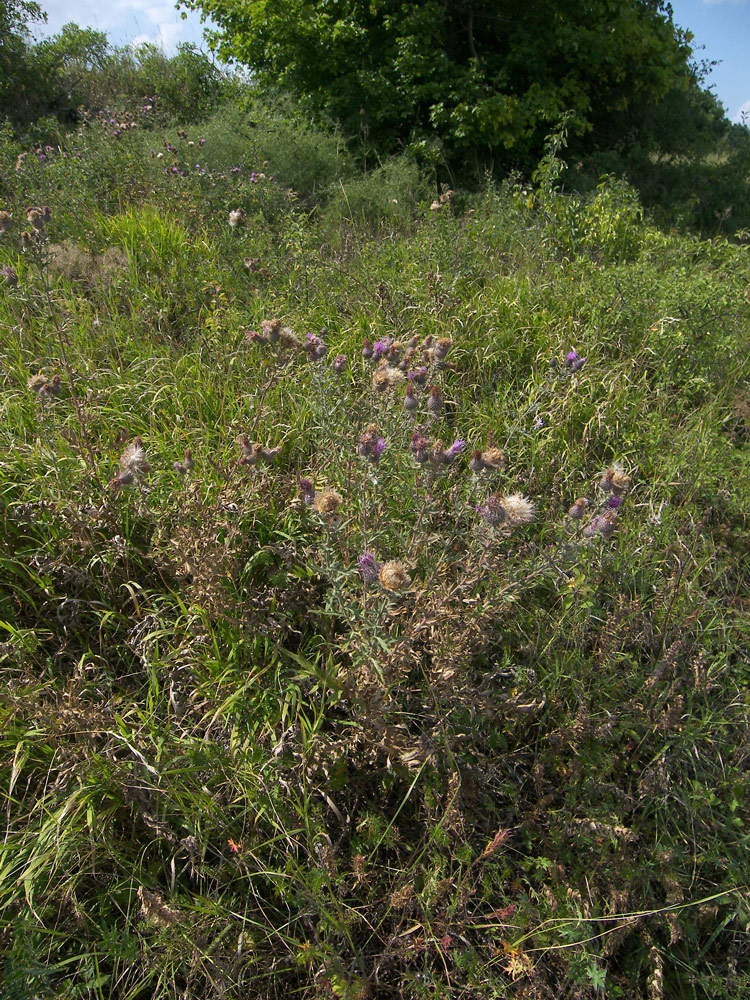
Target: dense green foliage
(236, 765)
(483, 77)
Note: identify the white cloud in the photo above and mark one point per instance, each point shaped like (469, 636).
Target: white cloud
(125, 21)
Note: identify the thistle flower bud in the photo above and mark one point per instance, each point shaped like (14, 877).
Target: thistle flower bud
(371, 445)
(419, 375)
(186, 465)
(441, 348)
(435, 401)
(307, 491)
(475, 463)
(437, 456)
(366, 349)
(340, 364)
(315, 347)
(575, 513)
(419, 447)
(381, 348)
(410, 400)
(493, 512)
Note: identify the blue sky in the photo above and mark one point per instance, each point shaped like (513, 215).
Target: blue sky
(721, 26)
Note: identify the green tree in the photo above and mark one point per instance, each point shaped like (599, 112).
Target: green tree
(16, 80)
(479, 75)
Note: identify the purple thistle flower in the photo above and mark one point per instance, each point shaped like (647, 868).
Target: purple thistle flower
(379, 447)
(369, 567)
(455, 449)
(573, 362)
(419, 376)
(201, 142)
(614, 502)
(235, 170)
(381, 347)
(307, 489)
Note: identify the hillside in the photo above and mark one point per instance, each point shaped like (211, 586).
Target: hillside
(373, 577)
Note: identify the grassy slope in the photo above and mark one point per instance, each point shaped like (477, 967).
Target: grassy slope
(234, 768)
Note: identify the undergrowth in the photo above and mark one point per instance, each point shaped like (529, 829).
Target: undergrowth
(372, 589)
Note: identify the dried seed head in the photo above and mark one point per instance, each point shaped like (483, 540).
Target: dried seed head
(10, 276)
(327, 501)
(518, 509)
(6, 221)
(133, 459)
(271, 329)
(394, 576)
(387, 377)
(493, 458)
(236, 217)
(615, 480)
(288, 339)
(38, 383)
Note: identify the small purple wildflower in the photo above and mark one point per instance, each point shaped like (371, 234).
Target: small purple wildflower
(201, 142)
(235, 170)
(538, 424)
(381, 347)
(455, 449)
(307, 489)
(369, 567)
(573, 362)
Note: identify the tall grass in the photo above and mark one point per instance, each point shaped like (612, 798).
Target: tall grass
(502, 755)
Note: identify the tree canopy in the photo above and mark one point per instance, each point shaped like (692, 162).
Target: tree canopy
(476, 74)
